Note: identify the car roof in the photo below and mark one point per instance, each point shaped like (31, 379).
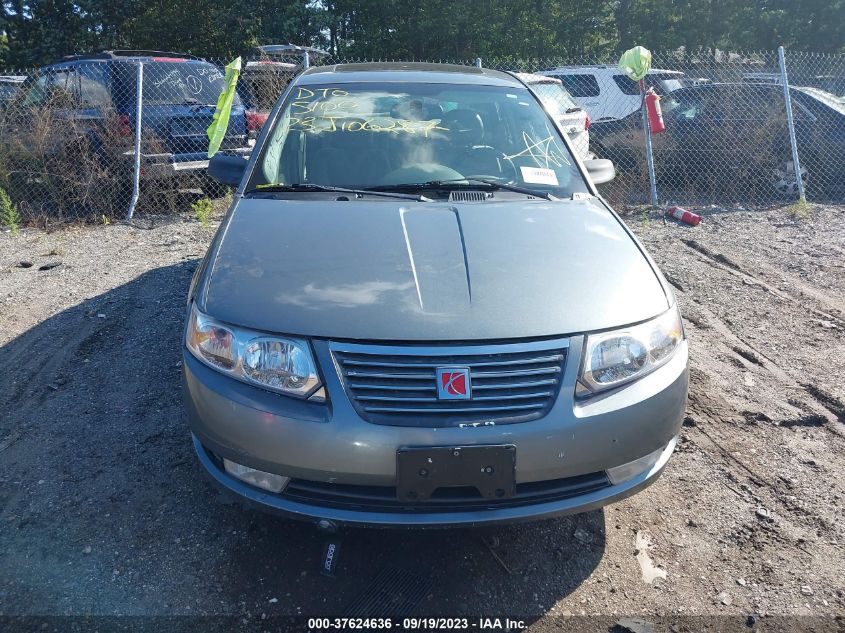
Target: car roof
(412, 72)
(270, 65)
(129, 55)
(15, 79)
(615, 69)
(736, 85)
(288, 49)
(532, 78)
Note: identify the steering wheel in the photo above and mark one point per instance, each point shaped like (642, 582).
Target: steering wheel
(501, 158)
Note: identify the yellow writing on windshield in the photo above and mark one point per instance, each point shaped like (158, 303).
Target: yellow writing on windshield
(544, 152)
(354, 124)
(332, 110)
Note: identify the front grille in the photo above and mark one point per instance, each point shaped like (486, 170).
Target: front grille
(397, 385)
(383, 498)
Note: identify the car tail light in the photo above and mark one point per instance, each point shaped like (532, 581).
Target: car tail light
(254, 122)
(124, 127)
(586, 121)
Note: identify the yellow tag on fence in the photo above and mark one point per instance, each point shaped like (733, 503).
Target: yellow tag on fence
(635, 62)
(217, 130)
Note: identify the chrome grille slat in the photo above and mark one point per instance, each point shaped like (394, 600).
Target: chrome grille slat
(396, 385)
(521, 407)
(393, 387)
(514, 385)
(518, 396)
(364, 374)
(508, 374)
(432, 365)
(474, 374)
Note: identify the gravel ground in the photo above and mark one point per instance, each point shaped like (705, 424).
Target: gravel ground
(104, 511)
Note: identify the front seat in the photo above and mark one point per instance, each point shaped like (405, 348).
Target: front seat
(465, 148)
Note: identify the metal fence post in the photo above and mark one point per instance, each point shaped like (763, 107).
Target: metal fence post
(306, 62)
(478, 62)
(796, 165)
(136, 174)
(652, 180)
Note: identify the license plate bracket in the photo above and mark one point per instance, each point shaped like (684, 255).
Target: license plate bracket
(189, 127)
(420, 471)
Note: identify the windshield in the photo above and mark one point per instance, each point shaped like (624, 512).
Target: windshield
(832, 101)
(168, 83)
(8, 90)
(664, 84)
(554, 97)
(381, 134)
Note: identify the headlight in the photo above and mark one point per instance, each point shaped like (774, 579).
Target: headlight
(614, 358)
(278, 363)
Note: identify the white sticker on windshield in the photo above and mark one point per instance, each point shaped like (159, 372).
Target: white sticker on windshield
(539, 175)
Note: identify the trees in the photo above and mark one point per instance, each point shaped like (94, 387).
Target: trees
(40, 31)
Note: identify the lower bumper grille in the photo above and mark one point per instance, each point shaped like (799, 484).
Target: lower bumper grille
(383, 498)
(397, 385)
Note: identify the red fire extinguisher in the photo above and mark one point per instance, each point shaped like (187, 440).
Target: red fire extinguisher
(655, 116)
(687, 217)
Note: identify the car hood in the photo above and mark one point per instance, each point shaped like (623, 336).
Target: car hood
(403, 270)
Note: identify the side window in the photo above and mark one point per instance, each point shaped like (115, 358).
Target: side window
(626, 85)
(37, 92)
(719, 107)
(580, 85)
(687, 110)
(63, 89)
(755, 105)
(93, 86)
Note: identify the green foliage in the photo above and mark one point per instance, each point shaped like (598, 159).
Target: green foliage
(4, 47)
(41, 31)
(8, 213)
(800, 209)
(203, 208)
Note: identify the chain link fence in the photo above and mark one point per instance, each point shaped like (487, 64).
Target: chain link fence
(72, 134)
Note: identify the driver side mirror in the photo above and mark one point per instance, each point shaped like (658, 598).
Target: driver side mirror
(601, 170)
(227, 169)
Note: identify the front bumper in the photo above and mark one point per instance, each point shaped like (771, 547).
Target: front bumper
(169, 165)
(331, 444)
(279, 504)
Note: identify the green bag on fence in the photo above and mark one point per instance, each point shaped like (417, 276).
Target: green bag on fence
(635, 62)
(217, 130)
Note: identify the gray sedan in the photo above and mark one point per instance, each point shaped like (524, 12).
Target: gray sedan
(418, 311)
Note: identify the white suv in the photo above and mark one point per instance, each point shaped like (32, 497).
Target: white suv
(571, 117)
(606, 93)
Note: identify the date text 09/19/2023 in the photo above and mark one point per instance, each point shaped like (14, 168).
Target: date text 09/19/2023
(417, 623)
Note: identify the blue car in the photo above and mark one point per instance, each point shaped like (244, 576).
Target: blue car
(98, 94)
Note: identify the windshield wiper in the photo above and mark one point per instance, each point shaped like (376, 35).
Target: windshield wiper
(307, 187)
(459, 183)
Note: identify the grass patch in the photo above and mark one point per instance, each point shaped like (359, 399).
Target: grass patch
(202, 208)
(800, 209)
(9, 216)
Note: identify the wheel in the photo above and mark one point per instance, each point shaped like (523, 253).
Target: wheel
(785, 180)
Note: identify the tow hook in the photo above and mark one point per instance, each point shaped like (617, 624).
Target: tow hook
(331, 547)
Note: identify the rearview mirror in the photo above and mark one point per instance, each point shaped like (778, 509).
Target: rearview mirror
(226, 169)
(601, 170)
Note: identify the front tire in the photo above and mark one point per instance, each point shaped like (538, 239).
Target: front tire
(785, 180)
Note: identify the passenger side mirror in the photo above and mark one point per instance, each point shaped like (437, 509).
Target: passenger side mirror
(226, 169)
(601, 170)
